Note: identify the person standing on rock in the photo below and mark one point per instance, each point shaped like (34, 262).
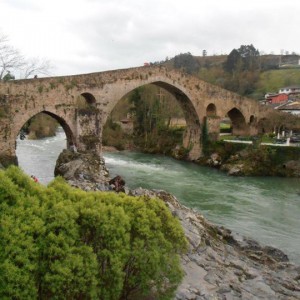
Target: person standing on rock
(73, 147)
(117, 184)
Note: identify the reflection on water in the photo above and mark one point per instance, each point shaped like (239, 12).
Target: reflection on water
(264, 208)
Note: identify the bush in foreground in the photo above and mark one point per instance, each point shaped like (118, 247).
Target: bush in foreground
(58, 242)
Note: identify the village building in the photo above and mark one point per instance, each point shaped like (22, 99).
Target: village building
(290, 107)
(284, 94)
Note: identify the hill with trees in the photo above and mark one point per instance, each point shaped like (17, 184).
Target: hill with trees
(244, 71)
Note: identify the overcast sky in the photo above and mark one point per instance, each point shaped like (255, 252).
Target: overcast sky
(82, 36)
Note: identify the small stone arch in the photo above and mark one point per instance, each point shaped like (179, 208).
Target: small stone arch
(211, 110)
(89, 98)
(252, 120)
(238, 121)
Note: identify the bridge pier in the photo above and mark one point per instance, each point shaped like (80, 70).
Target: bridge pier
(191, 141)
(88, 131)
(212, 127)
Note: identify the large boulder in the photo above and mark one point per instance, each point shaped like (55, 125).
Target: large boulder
(83, 169)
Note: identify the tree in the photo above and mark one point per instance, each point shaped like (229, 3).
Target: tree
(250, 56)
(243, 68)
(12, 60)
(58, 242)
(187, 62)
(35, 66)
(233, 62)
(8, 76)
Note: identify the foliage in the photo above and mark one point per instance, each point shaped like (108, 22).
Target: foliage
(58, 242)
(243, 68)
(250, 57)
(205, 137)
(41, 126)
(152, 117)
(150, 110)
(225, 150)
(113, 135)
(272, 80)
(233, 62)
(186, 62)
(276, 122)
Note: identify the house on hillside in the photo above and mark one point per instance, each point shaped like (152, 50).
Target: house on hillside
(277, 98)
(289, 90)
(284, 94)
(290, 107)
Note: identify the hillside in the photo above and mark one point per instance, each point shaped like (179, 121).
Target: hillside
(271, 72)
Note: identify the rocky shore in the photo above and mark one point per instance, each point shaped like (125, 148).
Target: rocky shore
(219, 264)
(253, 162)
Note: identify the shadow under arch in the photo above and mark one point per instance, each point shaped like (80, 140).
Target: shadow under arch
(211, 110)
(89, 98)
(192, 134)
(252, 119)
(238, 122)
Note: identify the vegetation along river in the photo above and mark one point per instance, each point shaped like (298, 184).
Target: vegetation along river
(266, 209)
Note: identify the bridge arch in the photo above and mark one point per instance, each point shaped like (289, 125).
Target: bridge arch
(211, 110)
(64, 124)
(252, 119)
(238, 121)
(192, 135)
(62, 121)
(89, 98)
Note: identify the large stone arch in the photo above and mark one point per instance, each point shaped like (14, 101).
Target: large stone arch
(192, 135)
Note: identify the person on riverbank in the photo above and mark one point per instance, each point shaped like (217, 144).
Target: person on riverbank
(73, 147)
(117, 184)
(34, 178)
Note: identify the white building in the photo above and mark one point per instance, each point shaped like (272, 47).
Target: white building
(289, 90)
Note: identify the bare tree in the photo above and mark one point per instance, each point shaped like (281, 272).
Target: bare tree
(10, 58)
(36, 66)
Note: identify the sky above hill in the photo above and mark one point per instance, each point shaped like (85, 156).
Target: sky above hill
(82, 36)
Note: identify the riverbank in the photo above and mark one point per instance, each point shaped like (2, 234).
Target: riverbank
(240, 159)
(219, 264)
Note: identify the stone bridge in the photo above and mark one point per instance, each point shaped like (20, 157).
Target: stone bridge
(82, 121)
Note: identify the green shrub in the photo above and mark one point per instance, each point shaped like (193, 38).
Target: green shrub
(58, 242)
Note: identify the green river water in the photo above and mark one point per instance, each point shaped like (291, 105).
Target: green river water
(266, 209)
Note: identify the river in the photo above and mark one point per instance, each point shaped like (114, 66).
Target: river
(266, 209)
